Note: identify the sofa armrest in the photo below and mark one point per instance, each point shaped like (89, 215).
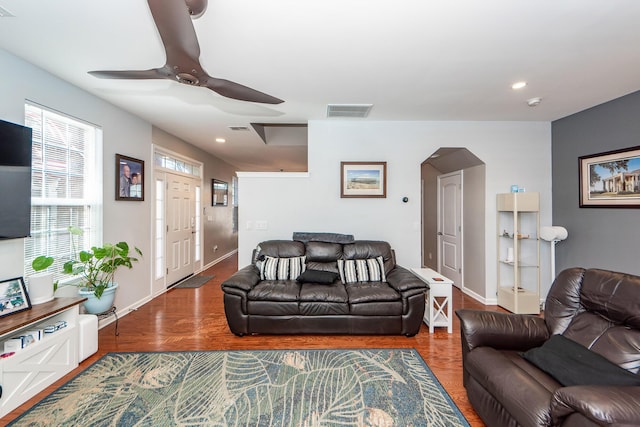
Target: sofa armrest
(503, 331)
(604, 405)
(244, 279)
(403, 280)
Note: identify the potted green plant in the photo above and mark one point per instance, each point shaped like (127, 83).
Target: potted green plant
(40, 285)
(96, 268)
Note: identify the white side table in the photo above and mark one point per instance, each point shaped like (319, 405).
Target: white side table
(439, 310)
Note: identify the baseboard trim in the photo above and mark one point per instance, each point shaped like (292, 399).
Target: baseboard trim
(480, 298)
(217, 260)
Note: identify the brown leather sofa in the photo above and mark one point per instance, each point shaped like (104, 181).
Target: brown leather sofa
(597, 309)
(393, 303)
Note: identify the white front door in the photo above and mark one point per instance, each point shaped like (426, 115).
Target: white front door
(450, 227)
(180, 227)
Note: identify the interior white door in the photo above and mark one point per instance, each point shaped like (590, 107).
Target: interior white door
(450, 227)
(180, 209)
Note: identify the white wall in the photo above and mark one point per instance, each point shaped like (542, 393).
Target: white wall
(123, 133)
(514, 153)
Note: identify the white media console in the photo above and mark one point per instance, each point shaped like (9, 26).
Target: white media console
(31, 369)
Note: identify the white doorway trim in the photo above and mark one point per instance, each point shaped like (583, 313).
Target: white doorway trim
(159, 226)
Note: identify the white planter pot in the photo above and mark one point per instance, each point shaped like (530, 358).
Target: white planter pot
(40, 287)
(95, 305)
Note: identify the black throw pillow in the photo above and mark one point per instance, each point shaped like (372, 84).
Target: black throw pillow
(571, 363)
(318, 276)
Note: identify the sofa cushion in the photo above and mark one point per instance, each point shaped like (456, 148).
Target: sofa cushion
(318, 300)
(323, 266)
(282, 268)
(618, 343)
(364, 249)
(362, 270)
(573, 364)
(280, 249)
(317, 276)
(275, 290)
(361, 292)
(323, 252)
(613, 295)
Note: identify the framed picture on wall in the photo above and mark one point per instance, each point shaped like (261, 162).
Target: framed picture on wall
(129, 178)
(219, 193)
(610, 179)
(363, 179)
(13, 296)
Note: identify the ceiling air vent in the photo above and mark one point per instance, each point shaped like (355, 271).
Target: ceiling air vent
(239, 128)
(349, 110)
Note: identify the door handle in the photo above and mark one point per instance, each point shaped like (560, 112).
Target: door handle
(439, 233)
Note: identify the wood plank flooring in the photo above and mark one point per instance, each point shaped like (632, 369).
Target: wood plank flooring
(193, 319)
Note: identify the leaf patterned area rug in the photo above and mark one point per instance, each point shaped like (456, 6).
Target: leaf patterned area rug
(301, 388)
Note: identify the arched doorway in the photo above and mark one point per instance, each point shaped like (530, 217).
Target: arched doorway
(445, 161)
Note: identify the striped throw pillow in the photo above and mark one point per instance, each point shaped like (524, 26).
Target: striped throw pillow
(362, 270)
(282, 268)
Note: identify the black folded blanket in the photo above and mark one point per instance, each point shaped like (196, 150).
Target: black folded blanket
(323, 237)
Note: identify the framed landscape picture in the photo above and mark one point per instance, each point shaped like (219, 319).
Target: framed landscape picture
(13, 296)
(129, 178)
(611, 179)
(363, 179)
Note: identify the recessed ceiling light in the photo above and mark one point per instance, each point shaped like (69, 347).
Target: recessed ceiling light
(518, 85)
(221, 140)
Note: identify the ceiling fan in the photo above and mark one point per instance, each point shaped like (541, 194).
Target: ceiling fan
(173, 20)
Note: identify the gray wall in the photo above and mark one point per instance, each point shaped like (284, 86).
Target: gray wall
(598, 237)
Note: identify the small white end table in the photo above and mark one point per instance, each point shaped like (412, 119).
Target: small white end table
(438, 312)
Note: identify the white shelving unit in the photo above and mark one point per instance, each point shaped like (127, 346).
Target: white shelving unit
(31, 369)
(518, 226)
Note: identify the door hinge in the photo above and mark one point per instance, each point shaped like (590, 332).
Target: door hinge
(460, 270)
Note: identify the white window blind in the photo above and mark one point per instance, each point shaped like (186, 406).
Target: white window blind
(66, 187)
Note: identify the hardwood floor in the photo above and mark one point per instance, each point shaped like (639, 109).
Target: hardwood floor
(193, 319)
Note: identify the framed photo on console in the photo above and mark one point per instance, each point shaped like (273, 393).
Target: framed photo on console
(13, 296)
(363, 179)
(610, 179)
(129, 178)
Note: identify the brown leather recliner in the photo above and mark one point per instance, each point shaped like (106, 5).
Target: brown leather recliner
(598, 309)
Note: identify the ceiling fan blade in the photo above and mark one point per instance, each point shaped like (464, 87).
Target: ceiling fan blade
(237, 91)
(173, 20)
(128, 74)
(177, 33)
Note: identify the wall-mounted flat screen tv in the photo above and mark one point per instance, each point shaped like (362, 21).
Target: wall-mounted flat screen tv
(15, 181)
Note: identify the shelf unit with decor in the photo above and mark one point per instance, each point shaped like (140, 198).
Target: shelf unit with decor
(30, 370)
(518, 248)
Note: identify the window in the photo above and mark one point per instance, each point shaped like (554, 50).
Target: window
(66, 187)
(196, 236)
(234, 202)
(160, 229)
(167, 161)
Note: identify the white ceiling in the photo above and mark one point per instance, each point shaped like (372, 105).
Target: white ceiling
(411, 59)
